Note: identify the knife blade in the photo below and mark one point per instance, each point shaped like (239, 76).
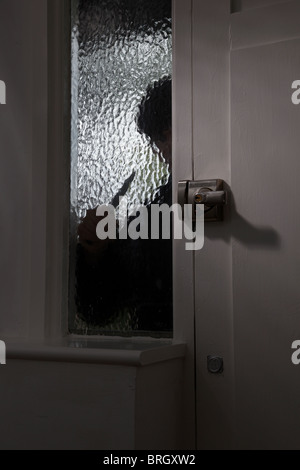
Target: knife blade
(115, 200)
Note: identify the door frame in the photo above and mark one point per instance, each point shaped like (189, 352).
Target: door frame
(201, 149)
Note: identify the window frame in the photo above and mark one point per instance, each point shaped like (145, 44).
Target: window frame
(58, 204)
(58, 175)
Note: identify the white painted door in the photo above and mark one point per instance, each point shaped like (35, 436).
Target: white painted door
(234, 119)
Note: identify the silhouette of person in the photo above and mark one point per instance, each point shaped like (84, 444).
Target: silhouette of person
(130, 281)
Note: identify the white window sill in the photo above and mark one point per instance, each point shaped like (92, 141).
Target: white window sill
(100, 350)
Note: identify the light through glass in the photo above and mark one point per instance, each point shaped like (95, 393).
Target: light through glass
(121, 51)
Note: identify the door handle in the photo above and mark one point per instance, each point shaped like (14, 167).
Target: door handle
(211, 193)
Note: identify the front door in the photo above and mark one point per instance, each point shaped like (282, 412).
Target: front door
(238, 298)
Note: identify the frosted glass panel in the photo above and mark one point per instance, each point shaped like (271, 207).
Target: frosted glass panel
(121, 57)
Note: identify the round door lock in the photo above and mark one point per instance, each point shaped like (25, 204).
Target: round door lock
(215, 364)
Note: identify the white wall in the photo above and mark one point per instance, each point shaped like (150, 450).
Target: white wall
(69, 406)
(61, 406)
(23, 33)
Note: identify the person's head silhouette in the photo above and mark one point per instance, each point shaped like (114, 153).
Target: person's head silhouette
(155, 116)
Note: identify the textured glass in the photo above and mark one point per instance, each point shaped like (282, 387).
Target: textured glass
(119, 48)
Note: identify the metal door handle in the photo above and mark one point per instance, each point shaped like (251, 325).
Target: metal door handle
(207, 192)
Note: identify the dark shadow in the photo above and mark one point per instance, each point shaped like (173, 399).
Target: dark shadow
(237, 227)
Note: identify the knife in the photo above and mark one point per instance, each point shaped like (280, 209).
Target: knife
(115, 200)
